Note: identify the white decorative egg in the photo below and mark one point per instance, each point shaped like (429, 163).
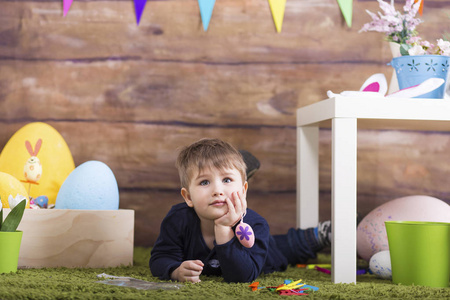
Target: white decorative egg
(91, 185)
(371, 233)
(380, 265)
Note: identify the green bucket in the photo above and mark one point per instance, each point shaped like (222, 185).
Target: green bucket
(420, 252)
(9, 251)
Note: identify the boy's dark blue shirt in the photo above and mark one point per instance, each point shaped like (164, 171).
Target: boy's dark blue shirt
(181, 239)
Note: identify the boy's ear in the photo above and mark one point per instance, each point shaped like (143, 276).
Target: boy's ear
(187, 197)
(245, 188)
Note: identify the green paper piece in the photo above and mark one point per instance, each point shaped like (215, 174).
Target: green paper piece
(347, 10)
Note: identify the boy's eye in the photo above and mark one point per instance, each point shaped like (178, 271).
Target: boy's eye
(204, 182)
(227, 180)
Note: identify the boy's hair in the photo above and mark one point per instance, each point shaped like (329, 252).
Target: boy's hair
(208, 153)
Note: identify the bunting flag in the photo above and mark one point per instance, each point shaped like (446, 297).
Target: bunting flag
(347, 10)
(66, 6)
(139, 6)
(206, 9)
(420, 7)
(277, 7)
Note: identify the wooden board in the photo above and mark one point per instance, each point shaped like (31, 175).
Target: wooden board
(76, 238)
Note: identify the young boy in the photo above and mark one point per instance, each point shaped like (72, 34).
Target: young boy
(198, 236)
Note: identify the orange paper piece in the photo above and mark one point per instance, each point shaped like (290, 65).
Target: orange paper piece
(277, 7)
(254, 285)
(420, 7)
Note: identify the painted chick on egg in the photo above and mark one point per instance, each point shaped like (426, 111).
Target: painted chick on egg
(33, 167)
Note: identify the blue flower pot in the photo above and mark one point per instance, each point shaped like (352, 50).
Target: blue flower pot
(413, 70)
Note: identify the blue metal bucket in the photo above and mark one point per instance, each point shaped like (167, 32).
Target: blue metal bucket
(415, 69)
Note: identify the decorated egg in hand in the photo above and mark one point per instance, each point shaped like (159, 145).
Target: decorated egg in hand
(245, 234)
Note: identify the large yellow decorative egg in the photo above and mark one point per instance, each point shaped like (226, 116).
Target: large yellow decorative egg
(38, 143)
(9, 185)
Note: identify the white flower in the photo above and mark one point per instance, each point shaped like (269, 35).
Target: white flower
(14, 201)
(417, 50)
(444, 46)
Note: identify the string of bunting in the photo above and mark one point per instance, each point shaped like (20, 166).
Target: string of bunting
(277, 7)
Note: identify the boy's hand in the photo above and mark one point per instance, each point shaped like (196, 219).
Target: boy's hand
(236, 208)
(237, 205)
(189, 270)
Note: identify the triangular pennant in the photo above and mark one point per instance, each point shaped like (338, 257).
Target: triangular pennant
(66, 6)
(420, 7)
(347, 10)
(139, 6)
(206, 9)
(277, 7)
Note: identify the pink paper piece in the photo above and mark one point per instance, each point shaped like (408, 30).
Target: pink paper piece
(139, 6)
(373, 87)
(375, 83)
(66, 6)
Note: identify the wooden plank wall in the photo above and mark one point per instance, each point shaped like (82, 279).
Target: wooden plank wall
(131, 96)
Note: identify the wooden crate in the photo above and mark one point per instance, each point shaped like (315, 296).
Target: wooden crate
(76, 238)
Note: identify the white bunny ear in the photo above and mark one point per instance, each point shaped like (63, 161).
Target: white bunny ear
(376, 83)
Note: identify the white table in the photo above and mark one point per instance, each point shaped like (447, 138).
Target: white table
(346, 114)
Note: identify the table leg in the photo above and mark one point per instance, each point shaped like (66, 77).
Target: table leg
(344, 151)
(307, 176)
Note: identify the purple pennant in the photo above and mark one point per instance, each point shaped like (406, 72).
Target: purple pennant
(139, 6)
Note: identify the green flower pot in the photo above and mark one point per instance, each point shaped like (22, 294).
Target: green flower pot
(9, 251)
(420, 252)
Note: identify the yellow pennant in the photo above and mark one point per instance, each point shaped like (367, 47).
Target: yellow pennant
(277, 8)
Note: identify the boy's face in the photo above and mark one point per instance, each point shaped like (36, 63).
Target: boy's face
(208, 190)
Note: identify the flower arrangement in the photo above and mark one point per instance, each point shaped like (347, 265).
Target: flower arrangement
(12, 221)
(398, 27)
(401, 28)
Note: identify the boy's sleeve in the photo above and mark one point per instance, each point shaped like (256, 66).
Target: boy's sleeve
(240, 264)
(167, 253)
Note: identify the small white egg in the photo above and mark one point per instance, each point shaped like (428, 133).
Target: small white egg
(380, 264)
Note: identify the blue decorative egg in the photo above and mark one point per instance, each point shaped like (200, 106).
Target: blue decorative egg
(42, 201)
(92, 185)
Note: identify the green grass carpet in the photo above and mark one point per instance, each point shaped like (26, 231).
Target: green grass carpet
(64, 283)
